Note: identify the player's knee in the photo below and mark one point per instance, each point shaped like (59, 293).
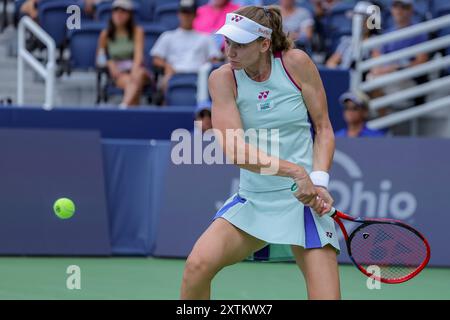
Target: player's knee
(198, 267)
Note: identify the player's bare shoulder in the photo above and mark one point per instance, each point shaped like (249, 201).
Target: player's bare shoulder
(295, 55)
(296, 59)
(222, 79)
(299, 65)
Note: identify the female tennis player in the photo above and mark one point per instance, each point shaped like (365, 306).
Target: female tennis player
(269, 85)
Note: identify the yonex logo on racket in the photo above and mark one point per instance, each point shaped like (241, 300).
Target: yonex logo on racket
(263, 95)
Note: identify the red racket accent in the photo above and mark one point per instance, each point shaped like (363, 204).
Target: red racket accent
(399, 250)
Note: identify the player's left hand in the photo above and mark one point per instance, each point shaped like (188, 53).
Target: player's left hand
(327, 200)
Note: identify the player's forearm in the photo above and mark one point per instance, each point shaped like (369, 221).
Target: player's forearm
(324, 146)
(251, 158)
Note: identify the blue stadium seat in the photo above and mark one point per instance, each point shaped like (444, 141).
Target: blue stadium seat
(167, 15)
(440, 7)
(103, 11)
(340, 16)
(83, 45)
(152, 33)
(52, 18)
(384, 4)
(422, 6)
(147, 8)
(160, 2)
(83, 50)
(182, 90)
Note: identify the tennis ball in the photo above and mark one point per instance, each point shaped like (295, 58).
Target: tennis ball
(64, 208)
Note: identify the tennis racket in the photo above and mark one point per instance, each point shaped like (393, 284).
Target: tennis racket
(397, 249)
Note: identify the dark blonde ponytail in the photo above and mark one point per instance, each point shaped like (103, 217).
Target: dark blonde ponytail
(270, 17)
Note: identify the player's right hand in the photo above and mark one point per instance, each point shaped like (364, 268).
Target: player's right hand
(307, 194)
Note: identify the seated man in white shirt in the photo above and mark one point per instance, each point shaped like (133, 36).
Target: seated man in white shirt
(183, 50)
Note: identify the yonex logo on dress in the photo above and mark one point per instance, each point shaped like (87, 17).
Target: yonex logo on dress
(263, 95)
(236, 18)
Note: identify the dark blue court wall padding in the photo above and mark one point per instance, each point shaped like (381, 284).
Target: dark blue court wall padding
(192, 194)
(36, 168)
(335, 82)
(397, 178)
(134, 172)
(139, 123)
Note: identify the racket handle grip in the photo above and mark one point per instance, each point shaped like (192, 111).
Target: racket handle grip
(331, 213)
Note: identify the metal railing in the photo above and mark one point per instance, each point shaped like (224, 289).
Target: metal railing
(46, 71)
(360, 46)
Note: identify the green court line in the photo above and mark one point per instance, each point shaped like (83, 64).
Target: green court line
(150, 278)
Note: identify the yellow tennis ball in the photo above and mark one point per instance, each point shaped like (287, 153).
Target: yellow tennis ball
(64, 208)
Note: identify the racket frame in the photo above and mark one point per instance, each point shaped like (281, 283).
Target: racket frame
(338, 215)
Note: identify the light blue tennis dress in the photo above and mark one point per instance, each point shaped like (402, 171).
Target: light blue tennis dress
(264, 206)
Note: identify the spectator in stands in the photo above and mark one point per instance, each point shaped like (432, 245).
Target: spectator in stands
(298, 23)
(203, 114)
(183, 50)
(123, 42)
(211, 16)
(356, 112)
(321, 10)
(402, 11)
(342, 58)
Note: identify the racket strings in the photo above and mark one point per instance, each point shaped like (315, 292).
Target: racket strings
(394, 249)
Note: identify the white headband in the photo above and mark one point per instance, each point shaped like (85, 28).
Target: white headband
(241, 29)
